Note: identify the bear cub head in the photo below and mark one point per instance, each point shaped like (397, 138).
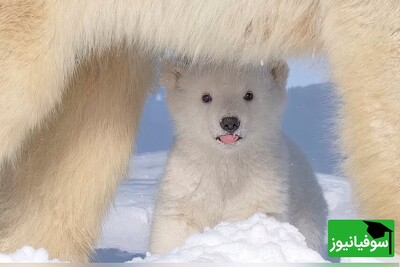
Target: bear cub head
(224, 107)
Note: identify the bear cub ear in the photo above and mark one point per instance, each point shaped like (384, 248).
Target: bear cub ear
(171, 72)
(169, 76)
(279, 70)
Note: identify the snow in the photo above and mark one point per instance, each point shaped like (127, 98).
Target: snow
(337, 193)
(27, 255)
(129, 219)
(258, 239)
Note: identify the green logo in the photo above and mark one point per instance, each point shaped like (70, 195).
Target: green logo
(360, 238)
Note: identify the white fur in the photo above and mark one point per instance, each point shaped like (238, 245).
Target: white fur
(207, 181)
(46, 47)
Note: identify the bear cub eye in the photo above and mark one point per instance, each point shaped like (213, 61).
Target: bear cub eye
(206, 98)
(248, 96)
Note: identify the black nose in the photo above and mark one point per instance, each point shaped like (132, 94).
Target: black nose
(230, 124)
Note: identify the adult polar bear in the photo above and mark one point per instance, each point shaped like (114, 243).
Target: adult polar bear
(74, 76)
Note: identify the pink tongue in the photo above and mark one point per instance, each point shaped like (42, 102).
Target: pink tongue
(228, 139)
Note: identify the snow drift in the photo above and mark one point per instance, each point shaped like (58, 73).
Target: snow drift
(259, 239)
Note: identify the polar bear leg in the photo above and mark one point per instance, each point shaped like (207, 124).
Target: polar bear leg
(365, 57)
(68, 173)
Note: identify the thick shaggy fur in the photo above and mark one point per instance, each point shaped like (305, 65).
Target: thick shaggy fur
(207, 182)
(44, 43)
(86, 142)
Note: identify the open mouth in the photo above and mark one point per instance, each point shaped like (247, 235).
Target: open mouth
(229, 138)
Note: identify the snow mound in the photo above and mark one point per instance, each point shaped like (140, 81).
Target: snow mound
(27, 255)
(258, 239)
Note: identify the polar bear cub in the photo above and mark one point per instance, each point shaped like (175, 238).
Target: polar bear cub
(230, 158)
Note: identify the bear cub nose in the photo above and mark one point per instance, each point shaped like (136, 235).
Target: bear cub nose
(230, 124)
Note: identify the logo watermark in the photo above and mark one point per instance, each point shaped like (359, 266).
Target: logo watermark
(361, 238)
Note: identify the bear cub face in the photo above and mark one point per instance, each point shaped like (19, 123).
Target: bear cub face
(224, 108)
